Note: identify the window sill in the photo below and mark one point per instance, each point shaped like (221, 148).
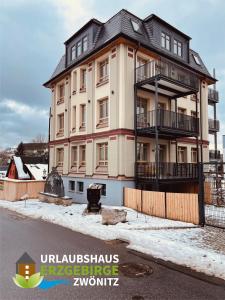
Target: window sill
(60, 101)
(71, 191)
(82, 169)
(59, 134)
(79, 192)
(101, 169)
(102, 125)
(100, 83)
(82, 128)
(82, 90)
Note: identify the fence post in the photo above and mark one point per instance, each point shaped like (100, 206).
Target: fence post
(165, 206)
(201, 204)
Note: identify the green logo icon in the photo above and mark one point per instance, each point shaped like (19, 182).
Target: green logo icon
(33, 281)
(25, 273)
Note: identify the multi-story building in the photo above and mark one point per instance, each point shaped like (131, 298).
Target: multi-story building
(129, 108)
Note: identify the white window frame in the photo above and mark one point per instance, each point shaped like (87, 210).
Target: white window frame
(61, 122)
(82, 150)
(103, 67)
(59, 156)
(74, 158)
(102, 161)
(83, 115)
(103, 111)
(83, 79)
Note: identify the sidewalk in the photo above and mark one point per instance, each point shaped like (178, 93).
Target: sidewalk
(202, 249)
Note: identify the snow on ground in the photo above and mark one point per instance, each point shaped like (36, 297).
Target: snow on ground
(178, 242)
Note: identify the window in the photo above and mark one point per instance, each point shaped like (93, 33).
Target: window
(141, 111)
(59, 156)
(85, 43)
(74, 82)
(177, 47)
(103, 154)
(83, 156)
(181, 110)
(80, 186)
(142, 68)
(71, 186)
(142, 152)
(79, 48)
(83, 116)
(196, 59)
(103, 70)
(193, 113)
(27, 267)
(73, 52)
(136, 26)
(61, 92)
(61, 123)
(194, 155)
(83, 79)
(182, 154)
(165, 41)
(103, 189)
(74, 156)
(74, 118)
(103, 111)
(194, 97)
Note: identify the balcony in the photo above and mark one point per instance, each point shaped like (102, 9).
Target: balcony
(169, 124)
(173, 80)
(213, 96)
(214, 126)
(146, 172)
(214, 154)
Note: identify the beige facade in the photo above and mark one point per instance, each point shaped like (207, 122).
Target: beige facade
(92, 123)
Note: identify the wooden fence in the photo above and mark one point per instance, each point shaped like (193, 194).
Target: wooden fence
(13, 190)
(174, 206)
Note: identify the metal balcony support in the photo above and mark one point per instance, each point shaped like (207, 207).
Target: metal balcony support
(156, 136)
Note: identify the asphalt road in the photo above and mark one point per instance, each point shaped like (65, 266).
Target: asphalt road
(19, 234)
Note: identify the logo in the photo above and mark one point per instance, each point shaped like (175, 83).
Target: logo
(82, 270)
(25, 273)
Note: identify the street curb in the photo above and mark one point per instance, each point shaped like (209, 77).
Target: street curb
(181, 269)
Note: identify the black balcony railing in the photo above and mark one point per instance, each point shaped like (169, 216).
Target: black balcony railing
(213, 96)
(214, 125)
(167, 70)
(167, 119)
(166, 170)
(214, 154)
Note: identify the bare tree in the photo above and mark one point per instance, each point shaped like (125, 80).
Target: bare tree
(40, 138)
(4, 157)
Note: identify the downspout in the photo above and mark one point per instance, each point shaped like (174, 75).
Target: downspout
(49, 121)
(201, 202)
(135, 113)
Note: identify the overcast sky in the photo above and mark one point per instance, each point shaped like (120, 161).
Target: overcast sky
(32, 35)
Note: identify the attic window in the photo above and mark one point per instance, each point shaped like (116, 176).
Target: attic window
(136, 26)
(197, 61)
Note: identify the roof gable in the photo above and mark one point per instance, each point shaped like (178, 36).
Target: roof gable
(25, 259)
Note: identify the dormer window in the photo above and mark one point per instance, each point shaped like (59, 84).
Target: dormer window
(197, 61)
(79, 48)
(177, 47)
(85, 43)
(136, 26)
(165, 41)
(73, 52)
